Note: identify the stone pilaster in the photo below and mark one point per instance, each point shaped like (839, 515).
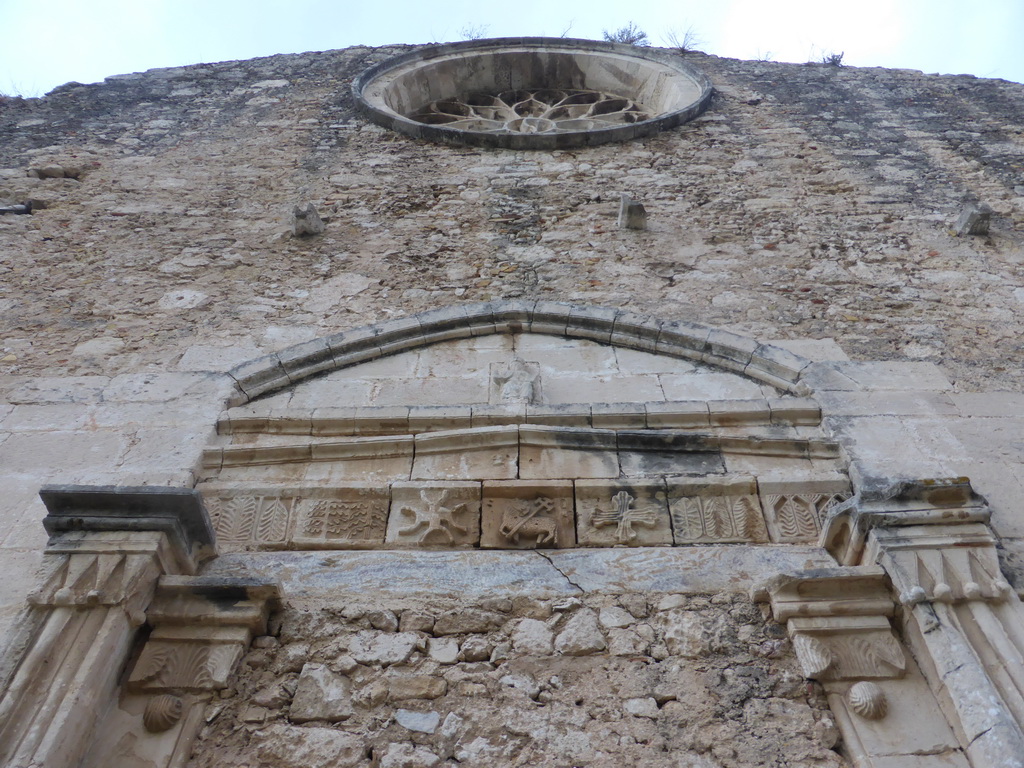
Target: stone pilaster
(959, 614)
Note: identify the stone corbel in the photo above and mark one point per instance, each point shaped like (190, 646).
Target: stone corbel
(108, 548)
(959, 614)
(839, 622)
(200, 630)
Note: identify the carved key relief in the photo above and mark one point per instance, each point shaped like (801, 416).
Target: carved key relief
(535, 515)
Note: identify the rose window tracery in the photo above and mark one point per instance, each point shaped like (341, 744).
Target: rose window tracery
(542, 110)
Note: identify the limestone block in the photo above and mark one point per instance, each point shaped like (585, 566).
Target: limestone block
(532, 638)
(683, 632)
(61, 456)
(60, 389)
(581, 635)
(563, 415)
(321, 695)
(484, 453)
(443, 650)
(292, 747)
(614, 617)
(613, 513)
(245, 519)
(632, 214)
(627, 642)
(405, 687)
(658, 453)
(374, 647)
(566, 452)
(429, 418)
(421, 722)
(677, 415)
(434, 514)
(876, 376)
(708, 386)
(728, 413)
(466, 621)
(342, 518)
(153, 387)
(725, 510)
(526, 515)
(887, 403)
(306, 221)
(449, 390)
(497, 415)
(618, 415)
(637, 361)
(582, 388)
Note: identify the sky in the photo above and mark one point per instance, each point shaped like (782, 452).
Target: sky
(43, 45)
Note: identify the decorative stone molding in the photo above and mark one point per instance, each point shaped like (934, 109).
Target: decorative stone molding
(531, 93)
(761, 362)
(839, 622)
(108, 548)
(959, 615)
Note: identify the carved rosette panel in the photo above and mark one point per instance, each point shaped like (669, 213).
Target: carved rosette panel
(798, 517)
(435, 515)
(251, 522)
(719, 519)
(536, 515)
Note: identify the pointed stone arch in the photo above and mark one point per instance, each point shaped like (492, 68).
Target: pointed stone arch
(712, 346)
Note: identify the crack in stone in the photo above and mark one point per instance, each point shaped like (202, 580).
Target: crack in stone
(980, 735)
(560, 571)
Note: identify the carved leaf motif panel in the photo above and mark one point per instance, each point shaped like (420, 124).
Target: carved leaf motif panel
(720, 519)
(191, 666)
(250, 522)
(798, 518)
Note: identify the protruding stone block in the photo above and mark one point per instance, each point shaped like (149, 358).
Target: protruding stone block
(974, 220)
(632, 214)
(306, 221)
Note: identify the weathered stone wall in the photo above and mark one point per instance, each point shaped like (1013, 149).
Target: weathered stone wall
(812, 205)
(810, 201)
(602, 680)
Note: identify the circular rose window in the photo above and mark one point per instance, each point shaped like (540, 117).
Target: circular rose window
(532, 93)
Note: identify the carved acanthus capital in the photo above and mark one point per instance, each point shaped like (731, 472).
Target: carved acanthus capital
(201, 628)
(838, 621)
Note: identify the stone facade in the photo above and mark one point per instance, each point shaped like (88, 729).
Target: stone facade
(491, 479)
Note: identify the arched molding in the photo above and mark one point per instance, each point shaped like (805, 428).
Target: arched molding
(712, 346)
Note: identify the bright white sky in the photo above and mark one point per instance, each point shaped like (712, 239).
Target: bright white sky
(43, 45)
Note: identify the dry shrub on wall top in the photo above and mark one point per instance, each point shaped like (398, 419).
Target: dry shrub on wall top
(683, 42)
(630, 34)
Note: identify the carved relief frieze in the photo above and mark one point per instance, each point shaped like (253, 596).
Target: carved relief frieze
(796, 510)
(192, 666)
(434, 514)
(942, 563)
(617, 514)
(251, 521)
(351, 517)
(531, 515)
(719, 512)
(516, 381)
(847, 648)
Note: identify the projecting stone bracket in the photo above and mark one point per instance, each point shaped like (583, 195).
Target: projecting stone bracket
(839, 622)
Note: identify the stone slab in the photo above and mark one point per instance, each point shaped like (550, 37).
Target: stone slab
(370, 576)
(527, 515)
